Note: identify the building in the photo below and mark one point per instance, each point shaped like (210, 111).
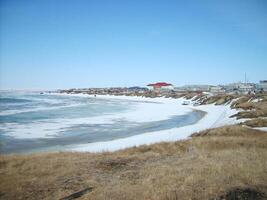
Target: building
(232, 87)
(240, 88)
(246, 88)
(193, 88)
(263, 86)
(137, 89)
(160, 86)
(217, 89)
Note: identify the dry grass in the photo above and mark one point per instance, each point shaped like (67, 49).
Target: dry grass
(256, 122)
(208, 166)
(190, 95)
(241, 101)
(219, 99)
(251, 109)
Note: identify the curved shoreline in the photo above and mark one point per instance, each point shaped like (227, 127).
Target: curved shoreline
(144, 110)
(216, 116)
(146, 114)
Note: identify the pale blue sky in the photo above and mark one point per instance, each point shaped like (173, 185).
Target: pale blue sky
(49, 44)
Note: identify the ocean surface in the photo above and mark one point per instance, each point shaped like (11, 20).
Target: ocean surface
(36, 122)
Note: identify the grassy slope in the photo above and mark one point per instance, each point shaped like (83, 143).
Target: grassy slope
(246, 105)
(209, 165)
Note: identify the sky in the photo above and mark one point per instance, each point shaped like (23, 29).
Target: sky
(56, 44)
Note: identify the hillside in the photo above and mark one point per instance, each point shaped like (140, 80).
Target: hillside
(215, 164)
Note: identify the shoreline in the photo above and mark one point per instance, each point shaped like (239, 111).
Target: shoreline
(142, 110)
(216, 116)
(146, 114)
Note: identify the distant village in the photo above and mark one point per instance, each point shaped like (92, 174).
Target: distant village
(168, 89)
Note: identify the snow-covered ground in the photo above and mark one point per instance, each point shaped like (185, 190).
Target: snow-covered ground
(216, 116)
(261, 128)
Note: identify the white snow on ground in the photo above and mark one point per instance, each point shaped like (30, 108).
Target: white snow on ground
(256, 100)
(261, 128)
(216, 116)
(146, 110)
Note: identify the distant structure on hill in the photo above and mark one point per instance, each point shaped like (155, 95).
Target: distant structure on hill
(137, 89)
(240, 88)
(263, 86)
(160, 86)
(163, 88)
(193, 88)
(217, 89)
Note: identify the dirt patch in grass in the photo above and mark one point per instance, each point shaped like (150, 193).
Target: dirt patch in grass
(119, 163)
(242, 194)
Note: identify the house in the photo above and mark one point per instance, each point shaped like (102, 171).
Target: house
(246, 88)
(193, 88)
(232, 87)
(160, 86)
(137, 89)
(240, 88)
(217, 89)
(263, 86)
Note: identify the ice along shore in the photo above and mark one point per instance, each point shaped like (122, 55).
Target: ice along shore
(216, 116)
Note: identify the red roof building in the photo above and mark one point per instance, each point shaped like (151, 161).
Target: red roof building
(160, 85)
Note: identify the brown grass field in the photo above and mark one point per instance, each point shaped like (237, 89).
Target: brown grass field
(251, 109)
(256, 123)
(224, 163)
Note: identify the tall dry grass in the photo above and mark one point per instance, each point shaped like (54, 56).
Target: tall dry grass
(250, 106)
(256, 122)
(207, 166)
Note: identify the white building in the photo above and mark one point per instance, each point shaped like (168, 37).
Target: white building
(263, 85)
(194, 88)
(246, 88)
(217, 89)
(243, 88)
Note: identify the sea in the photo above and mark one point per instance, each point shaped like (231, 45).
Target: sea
(39, 121)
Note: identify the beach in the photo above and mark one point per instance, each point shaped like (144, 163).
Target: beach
(219, 153)
(31, 122)
(107, 123)
(216, 116)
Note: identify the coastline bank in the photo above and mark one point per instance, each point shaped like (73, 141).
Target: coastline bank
(216, 116)
(88, 120)
(159, 119)
(213, 164)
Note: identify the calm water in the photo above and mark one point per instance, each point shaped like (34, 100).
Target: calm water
(33, 122)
